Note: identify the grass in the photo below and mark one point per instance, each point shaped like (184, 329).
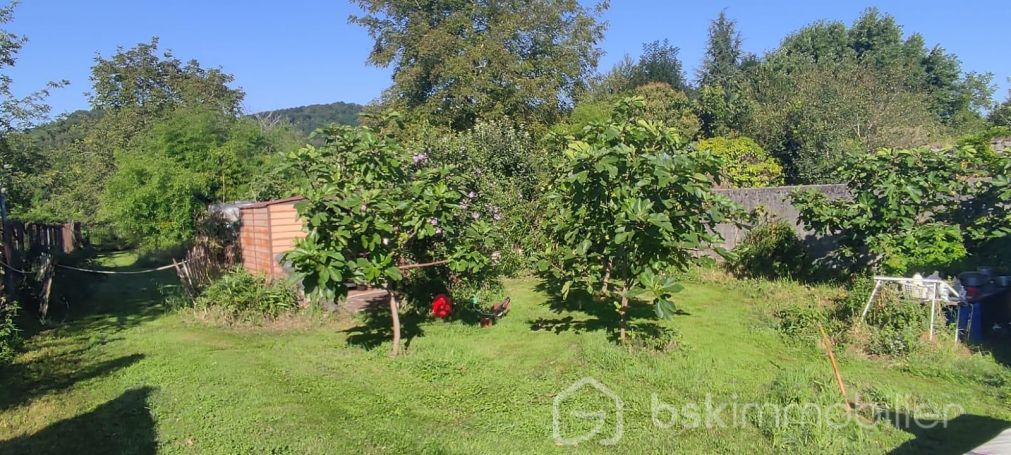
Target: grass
(124, 374)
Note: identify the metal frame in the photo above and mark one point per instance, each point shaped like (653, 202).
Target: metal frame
(933, 286)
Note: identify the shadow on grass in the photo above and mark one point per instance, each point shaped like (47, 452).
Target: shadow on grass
(956, 436)
(600, 315)
(377, 328)
(27, 381)
(122, 426)
(85, 302)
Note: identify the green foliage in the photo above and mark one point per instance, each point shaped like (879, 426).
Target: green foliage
(457, 62)
(307, 119)
(504, 165)
(244, 296)
(721, 66)
(771, 250)
(658, 63)
(653, 337)
(10, 337)
(746, 164)
(186, 160)
(138, 78)
(371, 207)
(902, 207)
(628, 197)
(666, 106)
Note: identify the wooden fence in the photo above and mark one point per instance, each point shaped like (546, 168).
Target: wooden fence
(22, 241)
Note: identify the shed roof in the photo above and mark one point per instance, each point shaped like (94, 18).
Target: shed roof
(261, 204)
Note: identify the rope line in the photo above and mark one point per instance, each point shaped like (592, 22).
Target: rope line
(106, 272)
(114, 272)
(13, 269)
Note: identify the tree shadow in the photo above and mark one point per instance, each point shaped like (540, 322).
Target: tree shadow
(600, 315)
(84, 302)
(23, 382)
(377, 327)
(122, 426)
(956, 436)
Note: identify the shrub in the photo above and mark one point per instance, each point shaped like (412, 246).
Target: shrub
(9, 333)
(770, 250)
(745, 163)
(653, 337)
(241, 295)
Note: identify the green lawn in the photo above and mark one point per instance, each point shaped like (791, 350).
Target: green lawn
(124, 375)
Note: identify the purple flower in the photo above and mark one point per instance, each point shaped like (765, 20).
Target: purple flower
(465, 205)
(471, 195)
(496, 216)
(438, 231)
(475, 215)
(419, 158)
(433, 221)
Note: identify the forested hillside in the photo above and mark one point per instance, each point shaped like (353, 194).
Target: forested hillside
(307, 118)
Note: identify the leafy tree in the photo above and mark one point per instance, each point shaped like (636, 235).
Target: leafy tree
(666, 106)
(812, 118)
(18, 163)
(1000, 116)
(371, 208)
(903, 212)
(875, 41)
(190, 158)
(134, 90)
(628, 199)
(139, 78)
(663, 104)
(746, 164)
(457, 62)
(658, 63)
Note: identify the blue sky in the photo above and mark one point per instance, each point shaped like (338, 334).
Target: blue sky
(300, 52)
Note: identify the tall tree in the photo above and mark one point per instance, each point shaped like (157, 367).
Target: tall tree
(132, 90)
(139, 78)
(658, 63)
(18, 163)
(724, 55)
(456, 62)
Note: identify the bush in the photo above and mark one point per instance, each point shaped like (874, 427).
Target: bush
(770, 250)
(745, 163)
(653, 337)
(10, 337)
(243, 296)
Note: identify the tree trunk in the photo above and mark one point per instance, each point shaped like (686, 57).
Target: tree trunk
(395, 316)
(621, 313)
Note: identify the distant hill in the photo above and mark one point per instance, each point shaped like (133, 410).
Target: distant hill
(308, 118)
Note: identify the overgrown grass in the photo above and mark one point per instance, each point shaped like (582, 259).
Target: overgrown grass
(124, 375)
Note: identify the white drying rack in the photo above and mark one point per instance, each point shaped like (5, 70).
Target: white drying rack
(923, 289)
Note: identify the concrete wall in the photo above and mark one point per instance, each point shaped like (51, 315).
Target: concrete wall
(776, 201)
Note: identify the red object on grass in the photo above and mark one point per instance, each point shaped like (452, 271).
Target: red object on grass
(442, 306)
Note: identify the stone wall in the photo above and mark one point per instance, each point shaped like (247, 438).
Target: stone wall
(776, 201)
(1001, 144)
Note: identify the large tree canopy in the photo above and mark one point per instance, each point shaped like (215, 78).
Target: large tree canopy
(139, 78)
(456, 62)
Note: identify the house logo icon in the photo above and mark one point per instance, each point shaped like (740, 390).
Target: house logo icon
(600, 416)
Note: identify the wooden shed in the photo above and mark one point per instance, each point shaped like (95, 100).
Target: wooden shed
(268, 230)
